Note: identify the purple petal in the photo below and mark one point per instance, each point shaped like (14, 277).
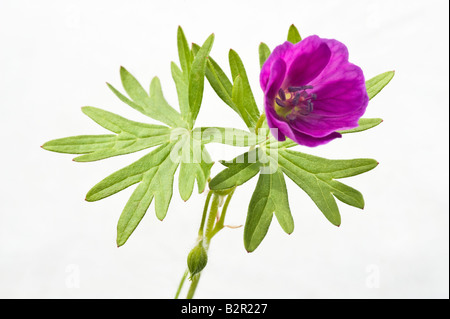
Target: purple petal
(308, 59)
(281, 129)
(339, 57)
(339, 87)
(277, 74)
(341, 96)
(310, 141)
(276, 125)
(280, 52)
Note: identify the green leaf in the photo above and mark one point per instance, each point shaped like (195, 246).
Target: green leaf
(196, 78)
(228, 136)
(223, 87)
(293, 35)
(195, 49)
(220, 83)
(154, 106)
(154, 172)
(237, 96)
(80, 144)
(135, 209)
(160, 109)
(156, 182)
(133, 88)
(184, 53)
(195, 164)
(248, 101)
(377, 83)
(315, 175)
(131, 137)
(264, 53)
(270, 196)
(119, 124)
(364, 124)
(238, 171)
(126, 100)
(182, 86)
(130, 174)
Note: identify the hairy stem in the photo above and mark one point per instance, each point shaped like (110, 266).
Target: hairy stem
(193, 286)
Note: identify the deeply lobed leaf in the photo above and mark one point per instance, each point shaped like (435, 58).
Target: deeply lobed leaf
(130, 174)
(156, 182)
(315, 175)
(270, 196)
(153, 105)
(131, 137)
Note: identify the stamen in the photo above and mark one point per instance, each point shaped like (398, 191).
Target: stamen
(299, 88)
(310, 106)
(281, 94)
(296, 99)
(279, 102)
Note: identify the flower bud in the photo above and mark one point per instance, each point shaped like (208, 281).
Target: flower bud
(197, 259)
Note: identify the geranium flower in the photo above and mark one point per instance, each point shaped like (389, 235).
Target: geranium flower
(312, 91)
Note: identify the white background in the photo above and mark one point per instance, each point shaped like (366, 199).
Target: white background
(55, 56)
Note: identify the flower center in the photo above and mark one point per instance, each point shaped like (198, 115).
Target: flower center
(294, 102)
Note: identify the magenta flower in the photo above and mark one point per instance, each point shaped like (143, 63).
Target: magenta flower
(312, 91)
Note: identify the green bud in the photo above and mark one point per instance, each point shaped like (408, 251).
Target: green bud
(197, 259)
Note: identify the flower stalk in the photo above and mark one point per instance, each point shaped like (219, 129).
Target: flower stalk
(214, 222)
(210, 225)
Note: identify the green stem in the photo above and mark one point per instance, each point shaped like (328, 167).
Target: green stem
(212, 216)
(213, 210)
(193, 286)
(212, 228)
(205, 211)
(219, 224)
(181, 283)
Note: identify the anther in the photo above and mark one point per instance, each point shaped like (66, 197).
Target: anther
(296, 99)
(281, 94)
(310, 106)
(299, 88)
(279, 102)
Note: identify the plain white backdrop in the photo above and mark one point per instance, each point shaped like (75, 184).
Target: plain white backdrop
(55, 57)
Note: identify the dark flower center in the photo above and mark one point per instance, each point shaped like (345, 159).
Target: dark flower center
(294, 102)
